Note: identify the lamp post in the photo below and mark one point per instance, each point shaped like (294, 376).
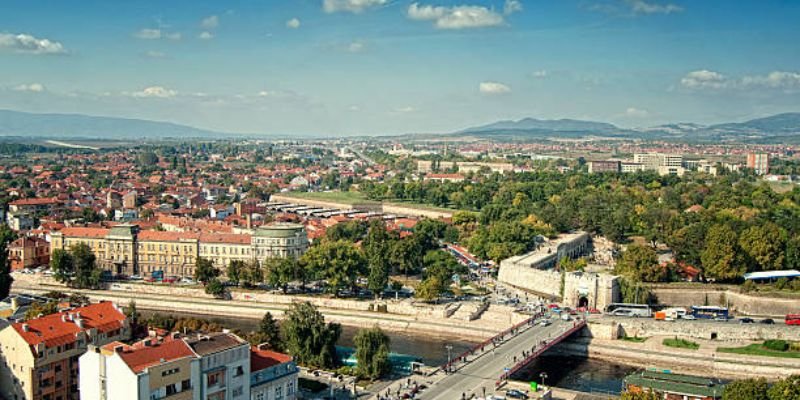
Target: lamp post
(543, 376)
(449, 360)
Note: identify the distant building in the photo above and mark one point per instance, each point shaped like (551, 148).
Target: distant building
(444, 177)
(273, 375)
(604, 166)
(674, 386)
(28, 252)
(39, 357)
(759, 162)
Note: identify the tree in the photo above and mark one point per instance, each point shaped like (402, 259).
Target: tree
(236, 269)
(281, 271)
(641, 264)
(746, 389)
(785, 389)
(76, 267)
(339, 262)
(308, 338)
(765, 246)
(252, 274)
(268, 333)
(721, 257)
(406, 255)
(643, 395)
(215, 288)
(205, 271)
(377, 248)
(37, 310)
(148, 159)
(62, 265)
(132, 314)
(6, 236)
(372, 353)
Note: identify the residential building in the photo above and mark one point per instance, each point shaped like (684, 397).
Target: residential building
(224, 366)
(34, 205)
(759, 162)
(604, 166)
(19, 221)
(150, 369)
(39, 357)
(28, 252)
(273, 375)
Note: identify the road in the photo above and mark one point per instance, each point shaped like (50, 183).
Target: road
(484, 372)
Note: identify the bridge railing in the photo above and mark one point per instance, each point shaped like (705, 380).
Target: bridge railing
(489, 341)
(577, 325)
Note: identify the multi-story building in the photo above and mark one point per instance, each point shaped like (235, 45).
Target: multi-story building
(652, 161)
(604, 166)
(28, 252)
(39, 357)
(273, 375)
(759, 162)
(150, 369)
(224, 366)
(124, 249)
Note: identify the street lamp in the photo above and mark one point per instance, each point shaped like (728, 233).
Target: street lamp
(543, 376)
(448, 347)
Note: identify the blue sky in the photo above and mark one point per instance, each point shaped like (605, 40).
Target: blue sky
(340, 67)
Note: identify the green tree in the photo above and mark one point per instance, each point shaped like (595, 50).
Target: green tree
(62, 265)
(215, 288)
(722, 258)
(764, 244)
(132, 314)
(205, 271)
(308, 338)
(746, 389)
(282, 271)
(6, 236)
(236, 269)
(785, 389)
(87, 274)
(339, 262)
(377, 250)
(644, 395)
(640, 263)
(406, 255)
(372, 353)
(37, 310)
(268, 333)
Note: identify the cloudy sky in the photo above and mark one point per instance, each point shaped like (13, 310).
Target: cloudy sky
(339, 67)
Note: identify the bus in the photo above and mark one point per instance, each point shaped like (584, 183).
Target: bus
(710, 312)
(792, 319)
(629, 310)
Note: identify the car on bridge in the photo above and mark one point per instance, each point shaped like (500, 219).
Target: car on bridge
(516, 394)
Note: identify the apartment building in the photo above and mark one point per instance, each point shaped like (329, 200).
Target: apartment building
(28, 252)
(39, 357)
(124, 249)
(604, 166)
(150, 369)
(224, 366)
(273, 375)
(759, 162)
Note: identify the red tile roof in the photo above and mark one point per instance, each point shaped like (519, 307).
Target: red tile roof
(34, 202)
(79, 231)
(163, 236)
(140, 357)
(229, 238)
(261, 359)
(61, 328)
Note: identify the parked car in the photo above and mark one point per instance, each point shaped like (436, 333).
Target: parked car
(689, 317)
(187, 281)
(135, 277)
(767, 321)
(545, 322)
(170, 279)
(516, 394)
(746, 320)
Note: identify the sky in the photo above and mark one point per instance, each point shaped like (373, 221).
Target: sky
(371, 67)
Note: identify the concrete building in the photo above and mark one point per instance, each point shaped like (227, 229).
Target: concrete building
(39, 357)
(273, 375)
(462, 167)
(759, 162)
(224, 366)
(28, 252)
(604, 166)
(124, 249)
(149, 369)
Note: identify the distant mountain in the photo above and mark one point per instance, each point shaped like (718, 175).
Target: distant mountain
(542, 126)
(780, 124)
(15, 123)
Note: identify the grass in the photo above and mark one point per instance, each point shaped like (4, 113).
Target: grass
(351, 198)
(758, 349)
(681, 344)
(634, 339)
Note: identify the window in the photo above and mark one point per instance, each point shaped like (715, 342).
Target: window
(186, 385)
(290, 388)
(238, 391)
(170, 372)
(239, 371)
(260, 396)
(171, 389)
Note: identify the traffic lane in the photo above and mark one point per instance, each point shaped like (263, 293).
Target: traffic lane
(485, 371)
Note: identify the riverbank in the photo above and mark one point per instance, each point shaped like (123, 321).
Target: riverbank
(390, 315)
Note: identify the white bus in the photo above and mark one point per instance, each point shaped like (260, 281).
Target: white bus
(629, 310)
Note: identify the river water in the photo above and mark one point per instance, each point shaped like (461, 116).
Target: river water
(573, 373)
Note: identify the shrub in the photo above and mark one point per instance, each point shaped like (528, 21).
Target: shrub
(781, 283)
(777, 345)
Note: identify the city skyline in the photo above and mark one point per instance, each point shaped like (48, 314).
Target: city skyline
(343, 67)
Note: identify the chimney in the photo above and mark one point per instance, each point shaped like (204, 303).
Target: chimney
(119, 349)
(249, 221)
(14, 303)
(26, 328)
(147, 343)
(63, 317)
(79, 321)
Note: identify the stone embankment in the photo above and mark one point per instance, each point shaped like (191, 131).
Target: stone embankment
(474, 323)
(726, 295)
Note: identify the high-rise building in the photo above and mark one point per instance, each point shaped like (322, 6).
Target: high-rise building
(759, 162)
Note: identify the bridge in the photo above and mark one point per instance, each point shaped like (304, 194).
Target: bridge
(484, 368)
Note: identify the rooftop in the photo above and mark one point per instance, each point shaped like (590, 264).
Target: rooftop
(214, 343)
(140, 357)
(262, 358)
(676, 383)
(62, 327)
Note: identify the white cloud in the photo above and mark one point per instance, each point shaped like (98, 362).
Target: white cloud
(354, 108)
(404, 110)
(542, 73)
(634, 112)
(352, 6)
(155, 54)
(456, 17)
(206, 35)
(293, 23)
(356, 47)
(24, 43)
(493, 88)
(512, 6)
(31, 87)
(775, 80)
(155, 34)
(155, 92)
(704, 79)
(210, 22)
(643, 7)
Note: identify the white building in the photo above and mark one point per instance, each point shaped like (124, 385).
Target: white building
(224, 366)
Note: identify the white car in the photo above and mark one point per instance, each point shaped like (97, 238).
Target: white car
(690, 317)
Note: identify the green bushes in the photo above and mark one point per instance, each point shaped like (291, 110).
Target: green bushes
(681, 344)
(776, 345)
